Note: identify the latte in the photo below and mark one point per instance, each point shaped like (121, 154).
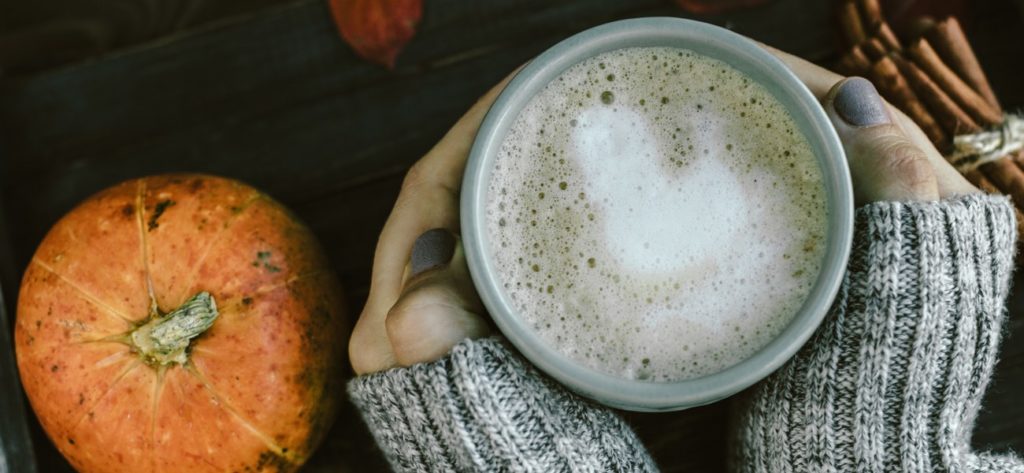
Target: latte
(656, 214)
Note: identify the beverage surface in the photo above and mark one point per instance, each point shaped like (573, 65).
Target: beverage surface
(656, 214)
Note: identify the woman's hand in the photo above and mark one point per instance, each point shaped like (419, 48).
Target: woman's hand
(422, 301)
(890, 158)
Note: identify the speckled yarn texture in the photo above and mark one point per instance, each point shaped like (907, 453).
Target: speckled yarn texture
(892, 380)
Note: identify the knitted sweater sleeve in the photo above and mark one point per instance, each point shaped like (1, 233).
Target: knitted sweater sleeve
(482, 408)
(893, 379)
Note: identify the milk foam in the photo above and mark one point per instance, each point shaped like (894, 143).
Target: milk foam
(655, 214)
(617, 152)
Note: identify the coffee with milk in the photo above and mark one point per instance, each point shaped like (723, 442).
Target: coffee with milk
(656, 214)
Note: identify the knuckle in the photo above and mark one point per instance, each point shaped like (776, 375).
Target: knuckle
(405, 320)
(399, 323)
(907, 163)
(423, 312)
(414, 178)
(422, 182)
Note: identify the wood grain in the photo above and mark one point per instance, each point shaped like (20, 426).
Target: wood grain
(36, 36)
(274, 98)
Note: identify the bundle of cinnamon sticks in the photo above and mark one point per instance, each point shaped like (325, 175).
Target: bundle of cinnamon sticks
(934, 77)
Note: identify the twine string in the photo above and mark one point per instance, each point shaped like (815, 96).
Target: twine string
(975, 149)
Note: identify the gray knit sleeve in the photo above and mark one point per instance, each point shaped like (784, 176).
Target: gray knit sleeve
(482, 408)
(894, 378)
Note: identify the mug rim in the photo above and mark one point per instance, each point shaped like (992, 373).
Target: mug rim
(606, 388)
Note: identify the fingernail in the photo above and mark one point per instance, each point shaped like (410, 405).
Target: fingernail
(432, 249)
(858, 103)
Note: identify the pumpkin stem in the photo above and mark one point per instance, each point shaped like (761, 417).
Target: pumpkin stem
(163, 340)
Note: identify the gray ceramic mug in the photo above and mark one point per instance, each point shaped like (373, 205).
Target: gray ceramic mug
(742, 54)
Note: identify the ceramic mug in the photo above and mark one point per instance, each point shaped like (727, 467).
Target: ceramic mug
(753, 61)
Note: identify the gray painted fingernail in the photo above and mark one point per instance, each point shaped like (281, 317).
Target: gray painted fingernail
(858, 103)
(434, 248)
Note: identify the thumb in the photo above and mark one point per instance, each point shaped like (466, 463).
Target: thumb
(438, 306)
(884, 163)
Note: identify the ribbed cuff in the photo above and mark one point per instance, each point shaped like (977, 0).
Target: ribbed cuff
(973, 237)
(937, 277)
(482, 408)
(894, 377)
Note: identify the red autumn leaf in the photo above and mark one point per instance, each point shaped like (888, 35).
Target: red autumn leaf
(711, 7)
(377, 29)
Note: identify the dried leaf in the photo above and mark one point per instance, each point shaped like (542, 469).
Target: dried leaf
(711, 7)
(377, 29)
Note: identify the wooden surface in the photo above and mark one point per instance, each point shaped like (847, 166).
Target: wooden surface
(36, 35)
(16, 453)
(275, 99)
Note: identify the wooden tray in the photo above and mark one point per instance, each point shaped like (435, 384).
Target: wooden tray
(277, 100)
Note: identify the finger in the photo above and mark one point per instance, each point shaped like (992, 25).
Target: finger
(370, 347)
(428, 199)
(884, 164)
(820, 81)
(438, 306)
(949, 180)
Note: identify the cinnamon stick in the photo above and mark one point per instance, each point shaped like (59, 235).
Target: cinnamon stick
(1002, 174)
(1008, 177)
(1017, 158)
(1002, 177)
(952, 118)
(919, 26)
(979, 180)
(849, 20)
(874, 49)
(952, 45)
(871, 12)
(973, 103)
(887, 37)
(854, 63)
(894, 87)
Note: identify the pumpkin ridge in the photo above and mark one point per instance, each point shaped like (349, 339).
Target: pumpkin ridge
(134, 364)
(120, 337)
(140, 211)
(194, 271)
(158, 389)
(85, 294)
(292, 280)
(114, 358)
(284, 453)
(202, 434)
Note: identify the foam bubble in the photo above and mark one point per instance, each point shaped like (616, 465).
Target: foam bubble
(656, 215)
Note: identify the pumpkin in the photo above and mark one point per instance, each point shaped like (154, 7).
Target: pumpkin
(181, 323)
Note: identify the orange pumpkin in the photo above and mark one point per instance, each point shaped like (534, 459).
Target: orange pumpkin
(181, 323)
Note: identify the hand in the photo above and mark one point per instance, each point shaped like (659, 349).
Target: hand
(890, 158)
(422, 301)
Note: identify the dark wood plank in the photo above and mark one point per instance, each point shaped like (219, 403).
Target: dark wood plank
(994, 32)
(276, 99)
(36, 36)
(16, 454)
